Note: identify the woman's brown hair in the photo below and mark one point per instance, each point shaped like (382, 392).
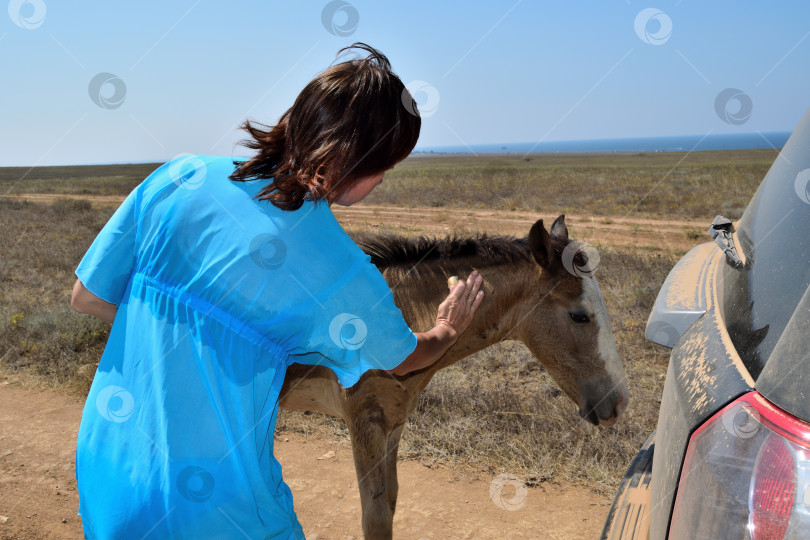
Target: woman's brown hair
(354, 120)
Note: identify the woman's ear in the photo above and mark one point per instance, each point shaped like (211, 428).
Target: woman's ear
(540, 244)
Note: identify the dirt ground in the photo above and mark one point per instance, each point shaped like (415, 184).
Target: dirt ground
(657, 234)
(38, 497)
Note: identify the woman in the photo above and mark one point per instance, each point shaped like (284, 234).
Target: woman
(216, 276)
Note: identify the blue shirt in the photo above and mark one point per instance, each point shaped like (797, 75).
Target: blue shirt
(217, 294)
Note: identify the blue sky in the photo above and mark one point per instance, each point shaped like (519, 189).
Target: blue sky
(189, 71)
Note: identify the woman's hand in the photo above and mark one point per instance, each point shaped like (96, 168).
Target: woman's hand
(459, 307)
(454, 316)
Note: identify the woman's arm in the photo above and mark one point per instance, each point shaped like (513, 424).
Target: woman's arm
(454, 316)
(83, 301)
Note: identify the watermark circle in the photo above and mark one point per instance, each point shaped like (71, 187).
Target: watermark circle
(195, 484)
(187, 171)
(27, 14)
(332, 14)
(420, 98)
(663, 333)
(99, 90)
(115, 404)
(653, 26)
(741, 420)
(725, 110)
(513, 502)
(348, 331)
(268, 251)
(580, 259)
(802, 185)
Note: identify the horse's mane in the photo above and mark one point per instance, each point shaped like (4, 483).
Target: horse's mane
(389, 250)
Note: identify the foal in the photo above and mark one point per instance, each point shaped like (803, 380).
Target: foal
(534, 294)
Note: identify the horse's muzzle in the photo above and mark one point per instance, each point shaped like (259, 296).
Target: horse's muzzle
(602, 408)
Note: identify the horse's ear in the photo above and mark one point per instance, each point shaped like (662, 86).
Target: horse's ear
(558, 229)
(540, 244)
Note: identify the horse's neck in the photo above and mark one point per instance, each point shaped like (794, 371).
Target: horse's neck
(498, 315)
(504, 285)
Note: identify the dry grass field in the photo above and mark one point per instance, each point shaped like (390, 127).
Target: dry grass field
(497, 410)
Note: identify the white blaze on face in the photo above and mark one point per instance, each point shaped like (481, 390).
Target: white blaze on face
(592, 297)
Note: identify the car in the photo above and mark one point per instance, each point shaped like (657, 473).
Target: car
(730, 455)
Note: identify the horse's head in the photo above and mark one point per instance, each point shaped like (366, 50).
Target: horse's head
(566, 325)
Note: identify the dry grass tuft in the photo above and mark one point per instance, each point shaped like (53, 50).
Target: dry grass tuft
(40, 334)
(676, 184)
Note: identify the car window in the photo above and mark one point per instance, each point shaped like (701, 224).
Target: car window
(774, 235)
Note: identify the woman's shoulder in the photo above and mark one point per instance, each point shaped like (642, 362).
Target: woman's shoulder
(189, 171)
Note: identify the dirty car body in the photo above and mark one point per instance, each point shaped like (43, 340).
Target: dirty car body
(730, 457)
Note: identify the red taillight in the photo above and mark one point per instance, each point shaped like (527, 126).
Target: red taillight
(746, 474)
(772, 490)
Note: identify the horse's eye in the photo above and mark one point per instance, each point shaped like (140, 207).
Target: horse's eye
(579, 317)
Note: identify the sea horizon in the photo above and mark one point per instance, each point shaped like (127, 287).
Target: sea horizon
(673, 143)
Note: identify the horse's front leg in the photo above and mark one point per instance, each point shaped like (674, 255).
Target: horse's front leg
(391, 482)
(369, 446)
